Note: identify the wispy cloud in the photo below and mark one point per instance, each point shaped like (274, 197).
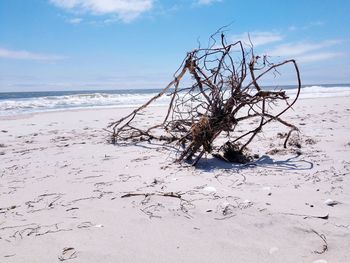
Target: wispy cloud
(307, 26)
(76, 20)
(258, 38)
(307, 51)
(206, 2)
(314, 24)
(26, 55)
(125, 10)
(319, 56)
(275, 45)
(299, 48)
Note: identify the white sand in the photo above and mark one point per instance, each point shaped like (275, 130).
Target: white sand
(61, 186)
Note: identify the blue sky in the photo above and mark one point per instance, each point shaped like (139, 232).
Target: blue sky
(122, 44)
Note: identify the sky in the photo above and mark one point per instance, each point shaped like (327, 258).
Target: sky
(125, 44)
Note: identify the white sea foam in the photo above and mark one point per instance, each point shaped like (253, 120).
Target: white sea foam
(321, 92)
(13, 106)
(54, 103)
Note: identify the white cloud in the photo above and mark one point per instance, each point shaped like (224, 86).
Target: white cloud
(126, 10)
(313, 24)
(76, 20)
(258, 38)
(299, 48)
(307, 26)
(319, 56)
(306, 51)
(206, 2)
(26, 55)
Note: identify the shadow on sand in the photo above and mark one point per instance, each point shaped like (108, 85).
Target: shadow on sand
(265, 161)
(211, 163)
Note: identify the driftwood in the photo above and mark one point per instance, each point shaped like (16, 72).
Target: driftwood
(224, 92)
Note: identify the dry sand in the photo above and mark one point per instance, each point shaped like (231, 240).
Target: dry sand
(61, 186)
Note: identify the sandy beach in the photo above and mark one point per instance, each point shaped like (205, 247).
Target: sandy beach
(66, 194)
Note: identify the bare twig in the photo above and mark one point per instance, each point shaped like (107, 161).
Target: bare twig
(168, 194)
(325, 244)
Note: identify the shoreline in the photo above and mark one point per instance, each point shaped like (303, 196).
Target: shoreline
(93, 108)
(74, 101)
(131, 107)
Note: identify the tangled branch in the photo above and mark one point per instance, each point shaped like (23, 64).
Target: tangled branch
(224, 91)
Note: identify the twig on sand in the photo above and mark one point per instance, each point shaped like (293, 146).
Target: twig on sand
(67, 254)
(168, 194)
(325, 217)
(324, 239)
(224, 218)
(34, 229)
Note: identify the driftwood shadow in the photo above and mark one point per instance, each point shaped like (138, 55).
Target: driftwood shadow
(210, 163)
(293, 163)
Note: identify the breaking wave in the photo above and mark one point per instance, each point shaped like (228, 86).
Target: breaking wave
(31, 102)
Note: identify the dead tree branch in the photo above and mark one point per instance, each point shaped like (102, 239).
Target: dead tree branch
(224, 92)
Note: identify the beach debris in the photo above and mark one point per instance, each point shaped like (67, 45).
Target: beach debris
(325, 217)
(268, 190)
(85, 225)
(156, 181)
(67, 254)
(151, 210)
(295, 141)
(246, 204)
(331, 202)
(43, 202)
(6, 209)
(35, 230)
(325, 244)
(224, 95)
(226, 208)
(230, 152)
(168, 194)
(72, 208)
(225, 217)
(310, 141)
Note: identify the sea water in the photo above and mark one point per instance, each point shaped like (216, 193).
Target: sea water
(14, 103)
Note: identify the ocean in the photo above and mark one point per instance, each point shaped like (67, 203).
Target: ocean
(14, 103)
